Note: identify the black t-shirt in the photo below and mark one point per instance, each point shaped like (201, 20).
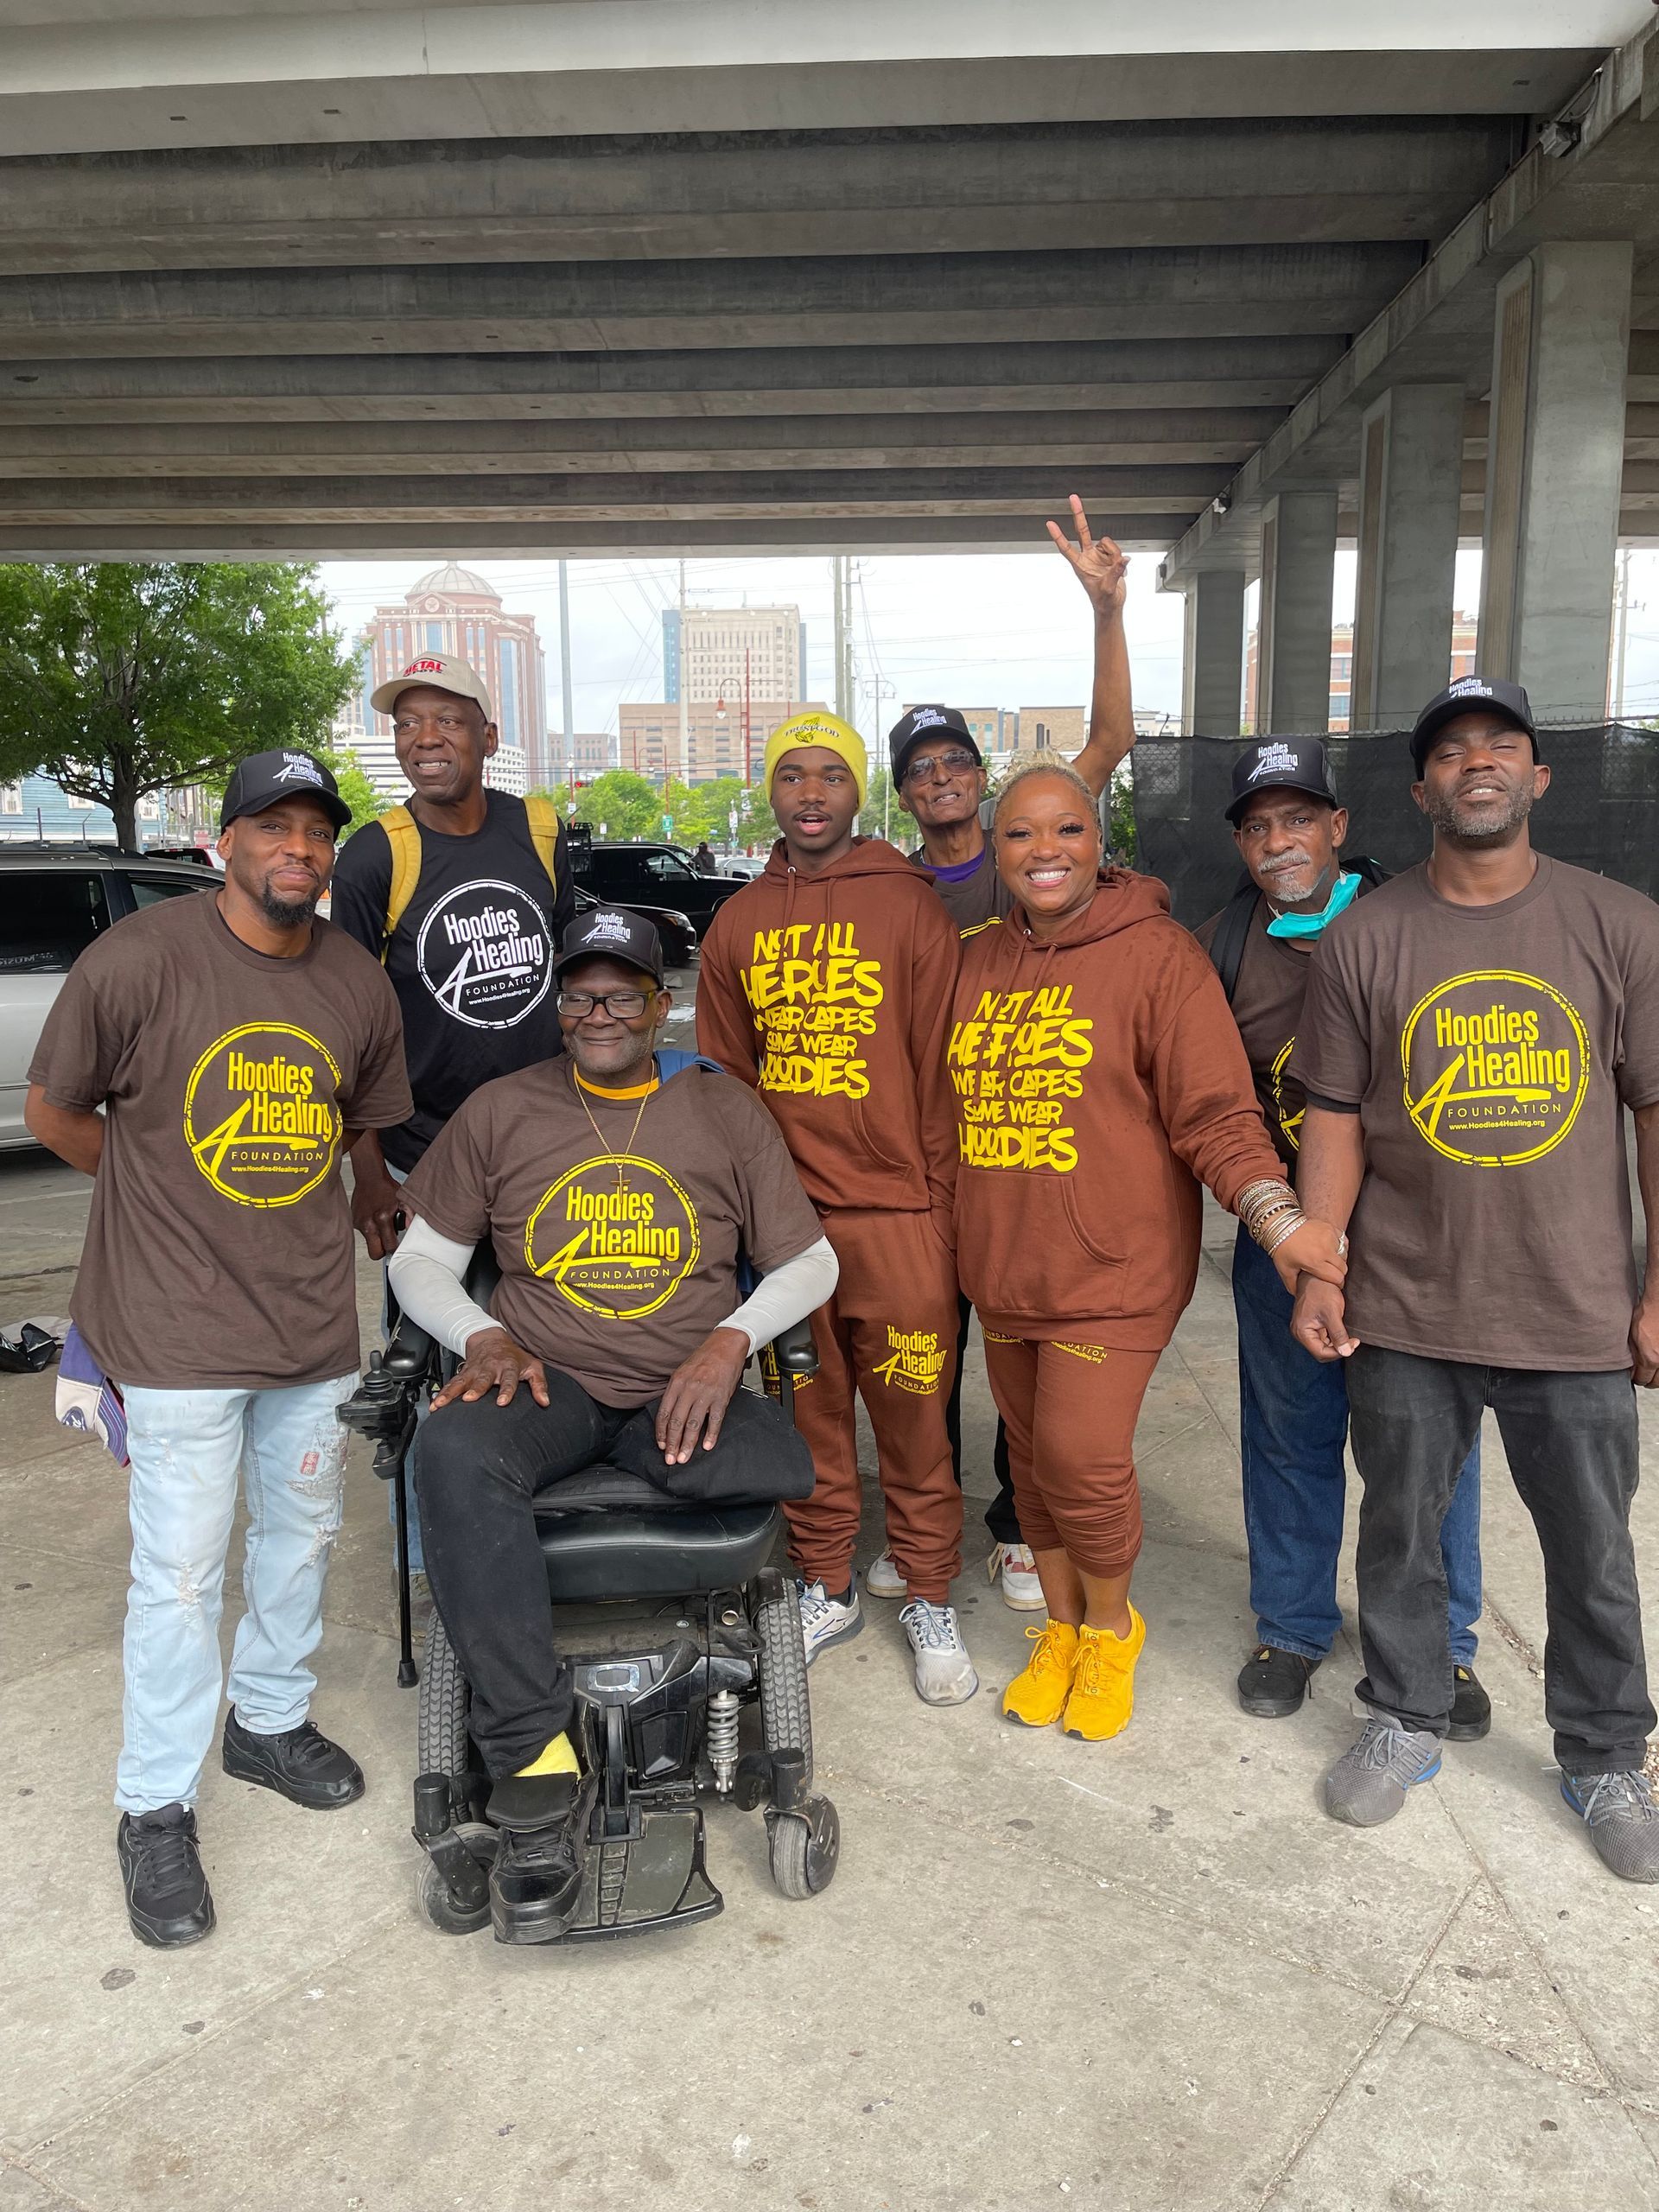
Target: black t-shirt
(471, 958)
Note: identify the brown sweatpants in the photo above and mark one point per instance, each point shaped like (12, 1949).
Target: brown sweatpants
(1071, 1410)
(888, 1336)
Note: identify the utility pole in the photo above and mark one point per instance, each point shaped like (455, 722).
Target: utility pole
(748, 750)
(680, 686)
(836, 563)
(564, 671)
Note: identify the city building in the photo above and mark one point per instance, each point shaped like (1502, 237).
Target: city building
(454, 611)
(716, 651)
(37, 808)
(1464, 632)
(649, 736)
(591, 753)
(1000, 732)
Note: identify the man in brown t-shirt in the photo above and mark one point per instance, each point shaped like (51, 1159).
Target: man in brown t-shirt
(1473, 1035)
(620, 1193)
(236, 1044)
(1289, 829)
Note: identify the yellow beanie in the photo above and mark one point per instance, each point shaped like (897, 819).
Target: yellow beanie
(826, 730)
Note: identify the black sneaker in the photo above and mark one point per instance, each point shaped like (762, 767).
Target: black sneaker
(535, 1882)
(1472, 1709)
(300, 1764)
(1273, 1683)
(169, 1902)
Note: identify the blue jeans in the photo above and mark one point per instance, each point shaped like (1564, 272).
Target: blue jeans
(1294, 1418)
(189, 1448)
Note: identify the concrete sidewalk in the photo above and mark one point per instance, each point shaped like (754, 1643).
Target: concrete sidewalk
(1143, 1977)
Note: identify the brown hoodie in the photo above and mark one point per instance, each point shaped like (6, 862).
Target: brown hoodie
(831, 993)
(1099, 1077)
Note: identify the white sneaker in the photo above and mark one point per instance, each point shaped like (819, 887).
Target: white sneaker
(826, 1620)
(944, 1673)
(883, 1579)
(1018, 1568)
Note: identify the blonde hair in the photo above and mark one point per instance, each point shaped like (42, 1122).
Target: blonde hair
(1041, 765)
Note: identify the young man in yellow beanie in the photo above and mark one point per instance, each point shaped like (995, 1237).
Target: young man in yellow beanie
(826, 983)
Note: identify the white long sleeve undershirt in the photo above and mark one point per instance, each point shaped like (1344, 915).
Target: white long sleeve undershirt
(428, 1272)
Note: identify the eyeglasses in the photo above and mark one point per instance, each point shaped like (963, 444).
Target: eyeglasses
(920, 765)
(621, 1005)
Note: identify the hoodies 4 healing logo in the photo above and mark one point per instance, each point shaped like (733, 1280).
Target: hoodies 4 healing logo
(484, 953)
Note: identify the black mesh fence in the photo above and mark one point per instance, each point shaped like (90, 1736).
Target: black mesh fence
(1601, 810)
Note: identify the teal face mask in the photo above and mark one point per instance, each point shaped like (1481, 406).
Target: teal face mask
(1343, 892)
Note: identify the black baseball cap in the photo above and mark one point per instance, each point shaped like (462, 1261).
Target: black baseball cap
(264, 778)
(1281, 764)
(918, 722)
(1470, 695)
(611, 933)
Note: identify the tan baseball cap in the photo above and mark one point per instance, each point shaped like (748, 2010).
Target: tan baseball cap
(442, 673)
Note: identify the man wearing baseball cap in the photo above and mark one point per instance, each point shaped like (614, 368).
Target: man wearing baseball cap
(939, 777)
(1492, 1009)
(1288, 827)
(462, 895)
(618, 1189)
(236, 1044)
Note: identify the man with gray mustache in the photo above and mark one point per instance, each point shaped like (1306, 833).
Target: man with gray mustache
(1289, 829)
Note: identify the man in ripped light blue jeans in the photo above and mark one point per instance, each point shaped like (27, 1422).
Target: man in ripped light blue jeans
(234, 1044)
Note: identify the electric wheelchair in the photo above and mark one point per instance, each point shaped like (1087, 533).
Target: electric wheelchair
(662, 1721)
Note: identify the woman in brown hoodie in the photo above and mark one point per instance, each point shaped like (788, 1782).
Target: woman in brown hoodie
(1099, 1080)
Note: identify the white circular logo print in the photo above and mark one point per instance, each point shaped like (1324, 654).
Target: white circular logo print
(485, 954)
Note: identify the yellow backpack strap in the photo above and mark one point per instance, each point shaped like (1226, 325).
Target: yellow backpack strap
(544, 834)
(404, 837)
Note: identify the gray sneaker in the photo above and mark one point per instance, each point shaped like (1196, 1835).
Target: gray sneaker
(944, 1673)
(1622, 1818)
(1368, 1783)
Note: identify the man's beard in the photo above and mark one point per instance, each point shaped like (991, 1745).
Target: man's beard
(1443, 811)
(289, 913)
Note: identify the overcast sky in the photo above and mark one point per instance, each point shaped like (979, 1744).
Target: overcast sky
(981, 630)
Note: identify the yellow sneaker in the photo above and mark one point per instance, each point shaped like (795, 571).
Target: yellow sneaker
(1036, 1696)
(1103, 1690)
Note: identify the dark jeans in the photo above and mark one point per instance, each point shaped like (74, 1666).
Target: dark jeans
(482, 1466)
(1001, 1517)
(1293, 1419)
(1571, 1440)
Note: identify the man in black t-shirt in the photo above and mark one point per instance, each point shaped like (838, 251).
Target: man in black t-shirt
(470, 954)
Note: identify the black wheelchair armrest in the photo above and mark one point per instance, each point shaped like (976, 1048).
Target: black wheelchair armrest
(411, 1351)
(794, 1351)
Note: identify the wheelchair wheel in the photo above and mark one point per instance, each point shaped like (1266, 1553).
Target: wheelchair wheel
(432, 1896)
(802, 1849)
(785, 1708)
(441, 1744)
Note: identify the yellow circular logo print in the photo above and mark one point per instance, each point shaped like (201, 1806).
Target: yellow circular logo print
(259, 1114)
(1496, 1067)
(619, 1253)
(1290, 1122)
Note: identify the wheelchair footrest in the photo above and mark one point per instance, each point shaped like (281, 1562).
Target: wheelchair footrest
(647, 1881)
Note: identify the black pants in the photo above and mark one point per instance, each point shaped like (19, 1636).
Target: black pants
(481, 1467)
(1571, 1441)
(1001, 1517)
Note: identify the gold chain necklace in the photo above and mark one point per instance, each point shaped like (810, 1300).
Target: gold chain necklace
(616, 1158)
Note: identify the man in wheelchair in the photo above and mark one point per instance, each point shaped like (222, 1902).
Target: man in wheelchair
(619, 1202)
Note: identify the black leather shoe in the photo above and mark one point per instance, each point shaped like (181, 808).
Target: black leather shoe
(1273, 1683)
(301, 1764)
(536, 1883)
(1472, 1709)
(169, 1902)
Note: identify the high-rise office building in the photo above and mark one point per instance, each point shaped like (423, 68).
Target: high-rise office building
(714, 651)
(456, 611)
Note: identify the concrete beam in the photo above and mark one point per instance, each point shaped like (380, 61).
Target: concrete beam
(759, 380)
(1410, 482)
(1039, 188)
(943, 300)
(1298, 551)
(1212, 660)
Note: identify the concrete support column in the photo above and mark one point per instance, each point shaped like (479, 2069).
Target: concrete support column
(1555, 456)
(1212, 661)
(1298, 554)
(1410, 482)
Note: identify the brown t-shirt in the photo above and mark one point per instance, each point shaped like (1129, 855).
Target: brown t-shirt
(615, 1286)
(971, 900)
(219, 1250)
(1267, 1005)
(1475, 1038)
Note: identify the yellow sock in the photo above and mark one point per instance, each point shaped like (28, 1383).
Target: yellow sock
(559, 1757)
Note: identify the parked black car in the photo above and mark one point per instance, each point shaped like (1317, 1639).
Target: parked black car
(674, 927)
(651, 876)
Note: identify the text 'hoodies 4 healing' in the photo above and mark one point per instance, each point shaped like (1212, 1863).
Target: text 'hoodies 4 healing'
(1098, 1080)
(831, 993)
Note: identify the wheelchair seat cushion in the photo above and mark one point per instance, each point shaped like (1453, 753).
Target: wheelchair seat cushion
(591, 1557)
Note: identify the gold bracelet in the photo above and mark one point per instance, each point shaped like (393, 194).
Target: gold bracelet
(1287, 1230)
(1256, 1195)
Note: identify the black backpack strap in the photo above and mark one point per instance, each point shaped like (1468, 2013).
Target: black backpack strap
(1232, 933)
(1369, 872)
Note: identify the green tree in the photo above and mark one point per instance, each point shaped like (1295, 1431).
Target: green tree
(1120, 822)
(881, 816)
(120, 678)
(624, 804)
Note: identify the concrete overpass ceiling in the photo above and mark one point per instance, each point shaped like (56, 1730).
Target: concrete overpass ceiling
(484, 278)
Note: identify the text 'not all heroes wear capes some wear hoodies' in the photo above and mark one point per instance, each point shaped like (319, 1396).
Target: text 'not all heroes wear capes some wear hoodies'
(831, 993)
(1099, 1079)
